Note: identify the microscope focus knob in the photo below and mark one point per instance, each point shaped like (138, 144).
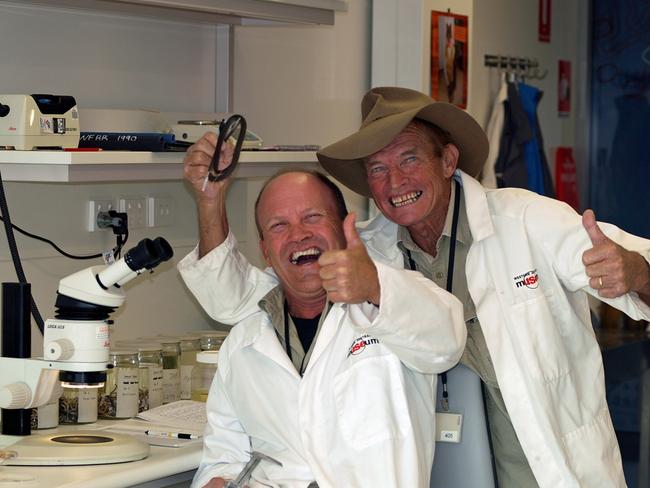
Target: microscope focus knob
(15, 395)
(61, 350)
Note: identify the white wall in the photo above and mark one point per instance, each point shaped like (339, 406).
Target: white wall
(119, 62)
(107, 61)
(304, 83)
(401, 39)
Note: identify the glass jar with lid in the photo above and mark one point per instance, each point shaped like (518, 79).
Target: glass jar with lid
(119, 398)
(190, 345)
(47, 416)
(171, 353)
(143, 372)
(203, 374)
(78, 405)
(212, 340)
(150, 360)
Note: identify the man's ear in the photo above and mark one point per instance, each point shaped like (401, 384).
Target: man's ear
(265, 252)
(450, 155)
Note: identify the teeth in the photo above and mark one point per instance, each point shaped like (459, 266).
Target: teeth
(405, 199)
(307, 252)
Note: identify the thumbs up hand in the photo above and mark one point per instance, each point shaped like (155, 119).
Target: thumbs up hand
(349, 275)
(612, 269)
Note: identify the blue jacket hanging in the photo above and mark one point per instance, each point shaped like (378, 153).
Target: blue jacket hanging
(522, 161)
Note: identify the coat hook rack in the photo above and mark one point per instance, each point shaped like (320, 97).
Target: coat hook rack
(526, 67)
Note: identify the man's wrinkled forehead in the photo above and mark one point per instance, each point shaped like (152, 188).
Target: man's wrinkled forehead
(413, 139)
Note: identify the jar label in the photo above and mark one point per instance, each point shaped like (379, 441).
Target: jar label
(186, 381)
(171, 385)
(155, 386)
(46, 416)
(119, 398)
(87, 405)
(126, 404)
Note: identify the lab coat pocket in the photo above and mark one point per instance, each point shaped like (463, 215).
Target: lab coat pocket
(538, 339)
(370, 401)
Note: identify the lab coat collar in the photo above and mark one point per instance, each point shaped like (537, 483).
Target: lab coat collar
(328, 329)
(266, 340)
(381, 235)
(266, 343)
(476, 205)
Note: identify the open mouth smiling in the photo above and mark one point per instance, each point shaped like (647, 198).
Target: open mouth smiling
(306, 256)
(406, 199)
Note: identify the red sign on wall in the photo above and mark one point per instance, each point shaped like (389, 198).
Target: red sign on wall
(566, 177)
(564, 88)
(544, 20)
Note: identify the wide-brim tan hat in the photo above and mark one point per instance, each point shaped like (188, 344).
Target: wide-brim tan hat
(386, 111)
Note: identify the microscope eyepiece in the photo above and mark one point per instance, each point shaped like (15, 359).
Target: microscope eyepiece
(159, 251)
(141, 255)
(147, 254)
(164, 249)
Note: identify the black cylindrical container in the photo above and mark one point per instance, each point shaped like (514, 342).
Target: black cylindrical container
(16, 343)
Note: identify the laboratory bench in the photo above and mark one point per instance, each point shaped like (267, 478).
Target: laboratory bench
(164, 467)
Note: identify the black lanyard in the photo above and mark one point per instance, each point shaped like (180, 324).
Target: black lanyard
(287, 345)
(450, 277)
(287, 342)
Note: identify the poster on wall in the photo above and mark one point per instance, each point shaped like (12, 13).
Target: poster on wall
(449, 48)
(564, 88)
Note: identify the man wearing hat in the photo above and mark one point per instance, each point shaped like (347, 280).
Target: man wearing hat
(521, 264)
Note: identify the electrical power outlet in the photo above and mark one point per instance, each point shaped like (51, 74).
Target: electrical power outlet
(136, 210)
(160, 211)
(94, 207)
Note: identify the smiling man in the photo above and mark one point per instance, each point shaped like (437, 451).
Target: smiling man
(522, 265)
(328, 376)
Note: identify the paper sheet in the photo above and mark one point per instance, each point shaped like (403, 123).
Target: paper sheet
(183, 414)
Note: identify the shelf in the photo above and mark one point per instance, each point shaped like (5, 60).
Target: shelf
(64, 166)
(235, 12)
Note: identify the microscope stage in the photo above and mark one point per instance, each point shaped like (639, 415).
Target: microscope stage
(77, 448)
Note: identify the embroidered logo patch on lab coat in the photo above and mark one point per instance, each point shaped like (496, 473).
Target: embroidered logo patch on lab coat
(529, 279)
(360, 343)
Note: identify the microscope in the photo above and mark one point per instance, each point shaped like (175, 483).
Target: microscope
(76, 342)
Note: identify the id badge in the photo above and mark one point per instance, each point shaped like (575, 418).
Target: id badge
(448, 427)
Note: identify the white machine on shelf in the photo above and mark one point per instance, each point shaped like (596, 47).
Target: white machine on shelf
(38, 121)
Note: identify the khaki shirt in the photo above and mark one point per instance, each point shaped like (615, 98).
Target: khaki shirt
(475, 356)
(273, 304)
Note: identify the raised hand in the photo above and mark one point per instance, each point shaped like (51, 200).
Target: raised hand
(196, 165)
(210, 196)
(612, 269)
(349, 275)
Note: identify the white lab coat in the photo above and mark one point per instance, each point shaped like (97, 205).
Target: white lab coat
(546, 358)
(359, 417)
